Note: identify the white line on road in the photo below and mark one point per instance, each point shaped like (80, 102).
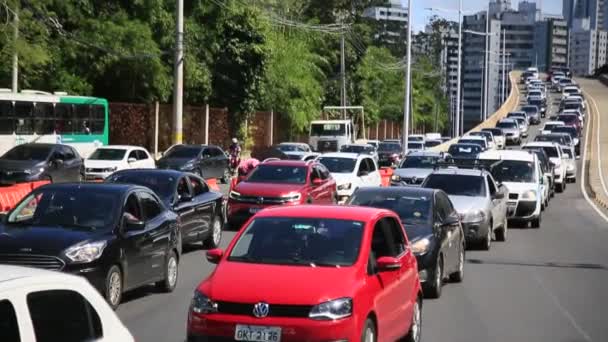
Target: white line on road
(584, 191)
(599, 146)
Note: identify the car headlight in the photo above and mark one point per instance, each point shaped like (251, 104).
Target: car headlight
(33, 171)
(421, 246)
(187, 166)
(396, 178)
(234, 195)
(110, 169)
(345, 186)
(86, 252)
(292, 197)
(473, 216)
(332, 310)
(529, 195)
(202, 304)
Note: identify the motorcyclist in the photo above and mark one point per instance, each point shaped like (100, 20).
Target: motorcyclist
(235, 154)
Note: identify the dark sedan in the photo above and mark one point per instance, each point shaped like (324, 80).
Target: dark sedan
(119, 237)
(433, 228)
(389, 153)
(34, 162)
(464, 151)
(200, 210)
(206, 161)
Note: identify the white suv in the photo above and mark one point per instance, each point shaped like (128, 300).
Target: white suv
(52, 306)
(108, 159)
(351, 171)
(521, 173)
(557, 159)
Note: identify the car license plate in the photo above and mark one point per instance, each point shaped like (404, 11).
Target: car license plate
(257, 333)
(254, 210)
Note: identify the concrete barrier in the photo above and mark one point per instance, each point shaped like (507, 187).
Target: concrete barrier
(509, 105)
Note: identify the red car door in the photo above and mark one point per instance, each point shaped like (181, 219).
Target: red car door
(329, 184)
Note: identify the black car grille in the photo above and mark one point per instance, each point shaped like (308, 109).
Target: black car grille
(276, 310)
(413, 181)
(513, 196)
(327, 146)
(30, 260)
(261, 200)
(96, 170)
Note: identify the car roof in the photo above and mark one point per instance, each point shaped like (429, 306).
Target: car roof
(123, 147)
(293, 143)
(507, 155)
(14, 276)
(111, 187)
(457, 171)
(395, 190)
(348, 155)
(351, 213)
(40, 144)
(283, 162)
(472, 137)
(555, 122)
(425, 154)
(357, 145)
(162, 172)
(508, 120)
(541, 144)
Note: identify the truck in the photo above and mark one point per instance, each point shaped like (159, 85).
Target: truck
(330, 135)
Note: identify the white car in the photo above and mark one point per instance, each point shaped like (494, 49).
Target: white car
(487, 135)
(570, 162)
(474, 139)
(569, 91)
(499, 137)
(40, 305)
(549, 125)
(293, 147)
(416, 138)
(536, 93)
(351, 171)
(107, 159)
(557, 159)
(521, 173)
(433, 136)
(415, 146)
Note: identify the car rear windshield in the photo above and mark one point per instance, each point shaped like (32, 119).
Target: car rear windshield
(415, 146)
(550, 150)
(411, 209)
(338, 165)
(163, 185)
(28, 152)
(387, 147)
(307, 242)
(68, 208)
(278, 174)
(355, 149)
(290, 148)
(514, 171)
(530, 109)
(183, 152)
(432, 143)
(572, 106)
(108, 154)
(457, 185)
(494, 131)
(505, 124)
(550, 127)
(565, 129)
(419, 162)
(550, 138)
(464, 150)
(472, 141)
(568, 119)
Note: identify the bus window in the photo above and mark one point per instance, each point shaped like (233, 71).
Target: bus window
(6, 120)
(23, 117)
(98, 119)
(44, 120)
(83, 118)
(64, 123)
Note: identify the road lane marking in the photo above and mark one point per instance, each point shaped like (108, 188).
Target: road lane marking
(584, 164)
(599, 145)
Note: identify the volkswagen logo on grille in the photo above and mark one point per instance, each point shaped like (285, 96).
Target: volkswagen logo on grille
(414, 179)
(260, 200)
(261, 310)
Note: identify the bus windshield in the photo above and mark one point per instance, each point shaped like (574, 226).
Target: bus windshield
(327, 129)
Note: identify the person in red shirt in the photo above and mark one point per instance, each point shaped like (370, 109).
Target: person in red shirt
(244, 169)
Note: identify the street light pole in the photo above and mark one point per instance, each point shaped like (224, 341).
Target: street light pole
(504, 55)
(486, 73)
(178, 90)
(15, 83)
(458, 112)
(343, 76)
(408, 78)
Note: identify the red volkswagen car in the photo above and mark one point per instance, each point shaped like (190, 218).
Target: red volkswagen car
(311, 273)
(280, 182)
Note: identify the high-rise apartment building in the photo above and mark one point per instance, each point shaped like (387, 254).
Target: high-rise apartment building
(551, 43)
(392, 24)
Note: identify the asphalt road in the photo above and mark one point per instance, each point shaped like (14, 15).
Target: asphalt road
(546, 284)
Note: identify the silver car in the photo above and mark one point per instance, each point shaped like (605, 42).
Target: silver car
(415, 167)
(511, 129)
(479, 200)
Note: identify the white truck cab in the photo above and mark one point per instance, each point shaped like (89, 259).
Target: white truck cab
(330, 135)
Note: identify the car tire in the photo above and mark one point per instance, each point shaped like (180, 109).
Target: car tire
(215, 238)
(113, 287)
(369, 332)
(458, 276)
(171, 274)
(561, 187)
(433, 288)
(486, 242)
(501, 234)
(535, 223)
(415, 332)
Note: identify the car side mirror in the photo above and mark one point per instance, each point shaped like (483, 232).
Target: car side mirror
(451, 220)
(214, 255)
(387, 264)
(498, 195)
(57, 162)
(185, 197)
(131, 224)
(317, 181)
(131, 160)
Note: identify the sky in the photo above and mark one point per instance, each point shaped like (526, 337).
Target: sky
(422, 15)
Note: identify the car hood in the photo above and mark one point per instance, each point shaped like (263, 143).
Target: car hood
(510, 130)
(342, 178)
(19, 165)
(464, 204)
(41, 239)
(266, 189)
(413, 172)
(416, 231)
(171, 163)
(251, 283)
(518, 188)
(100, 164)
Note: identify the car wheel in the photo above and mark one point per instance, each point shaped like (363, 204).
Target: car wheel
(561, 187)
(535, 223)
(214, 239)
(574, 180)
(501, 234)
(486, 242)
(171, 274)
(113, 287)
(369, 332)
(458, 276)
(415, 333)
(433, 288)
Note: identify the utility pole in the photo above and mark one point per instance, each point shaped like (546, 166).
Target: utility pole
(343, 76)
(458, 112)
(408, 78)
(15, 83)
(178, 82)
(504, 56)
(486, 72)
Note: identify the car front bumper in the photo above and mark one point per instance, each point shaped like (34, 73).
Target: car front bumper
(96, 176)
(238, 213)
(94, 272)
(523, 209)
(475, 231)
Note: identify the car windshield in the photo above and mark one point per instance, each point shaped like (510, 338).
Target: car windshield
(355, 149)
(183, 152)
(108, 154)
(572, 106)
(568, 152)
(328, 129)
(550, 150)
(530, 109)
(494, 131)
(565, 129)
(28, 152)
(514, 171)
(432, 143)
(457, 185)
(484, 135)
(415, 146)
(411, 209)
(338, 165)
(415, 138)
(290, 148)
(464, 150)
(550, 127)
(311, 242)
(419, 162)
(389, 147)
(472, 141)
(278, 174)
(506, 124)
(69, 208)
(551, 138)
(163, 185)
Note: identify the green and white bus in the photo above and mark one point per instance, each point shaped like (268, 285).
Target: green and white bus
(36, 116)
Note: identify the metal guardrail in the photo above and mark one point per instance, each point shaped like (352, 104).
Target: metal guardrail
(508, 106)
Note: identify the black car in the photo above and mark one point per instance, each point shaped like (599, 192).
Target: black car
(533, 112)
(573, 134)
(206, 161)
(433, 228)
(118, 236)
(201, 211)
(541, 104)
(34, 162)
(389, 153)
(464, 151)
